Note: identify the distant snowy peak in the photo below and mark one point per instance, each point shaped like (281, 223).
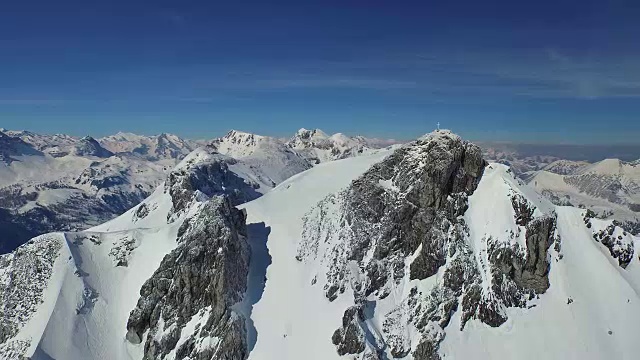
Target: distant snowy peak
(305, 135)
(610, 187)
(88, 146)
(11, 147)
(305, 139)
(157, 147)
(318, 147)
(614, 167)
(565, 167)
(240, 144)
(270, 159)
(51, 144)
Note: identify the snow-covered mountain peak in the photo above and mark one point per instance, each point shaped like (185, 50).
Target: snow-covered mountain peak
(318, 147)
(315, 134)
(239, 143)
(427, 253)
(608, 167)
(88, 146)
(12, 147)
(241, 135)
(158, 147)
(439, 135)
(270, 158)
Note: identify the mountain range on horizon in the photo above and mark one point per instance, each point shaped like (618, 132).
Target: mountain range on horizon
(61, 183)
(82, 182)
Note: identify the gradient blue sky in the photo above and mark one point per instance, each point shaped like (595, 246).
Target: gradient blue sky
(551, 71)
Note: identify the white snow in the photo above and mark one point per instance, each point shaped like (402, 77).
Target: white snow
(292, 317)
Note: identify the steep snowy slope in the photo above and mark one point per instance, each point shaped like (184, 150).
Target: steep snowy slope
(269, 157)
(401, 264)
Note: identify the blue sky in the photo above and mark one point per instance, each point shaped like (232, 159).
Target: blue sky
(545, 71)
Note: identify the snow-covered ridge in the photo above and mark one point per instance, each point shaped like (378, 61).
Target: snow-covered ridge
(318, 147)
(157, 147)
(268, 157)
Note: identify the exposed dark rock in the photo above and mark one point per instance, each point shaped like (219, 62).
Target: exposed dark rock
(210, 178)
(204, 276)
(618, 248)
(142, 211)
(539, 236)
(427, 349)
(523, 209)
(410, 204)
(350, 338)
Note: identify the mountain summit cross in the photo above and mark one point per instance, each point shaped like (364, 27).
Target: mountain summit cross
(438, 125)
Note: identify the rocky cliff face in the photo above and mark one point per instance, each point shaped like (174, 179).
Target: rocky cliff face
(402, 222)
(186, 306)
(206, 174)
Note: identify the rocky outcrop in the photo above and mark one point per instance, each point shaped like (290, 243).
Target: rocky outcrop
(617, 240)
(403, 220)
(523, 210)
(407, 206)
(534, 273)
(519, 273)
(197, 284)
(25, 274)
(350, 338)
(208, 177)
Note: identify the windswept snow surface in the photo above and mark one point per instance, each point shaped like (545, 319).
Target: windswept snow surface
(591, 310)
